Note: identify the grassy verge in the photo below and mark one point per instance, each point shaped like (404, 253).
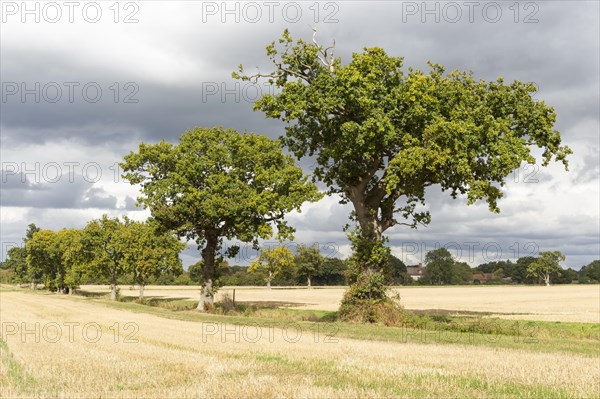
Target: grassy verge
(583, 338)
(13, 373)
(418, 327)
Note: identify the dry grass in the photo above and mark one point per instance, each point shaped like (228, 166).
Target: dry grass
(173, 358)
(576, 303)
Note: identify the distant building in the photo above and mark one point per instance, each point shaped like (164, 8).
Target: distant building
(481, 278)
(416, 271)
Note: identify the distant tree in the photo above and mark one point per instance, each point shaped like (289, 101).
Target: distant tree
(44, 259)
(394, 271)
(546, 265)
(238, 275)
(439, 264)
(70, 244)
(334, 272)
(461, 273)
(590, 273)
(105, 249)
(499, 275)
(149, 252)
(564, 276)
(309, 262)
(273, 261)
(491, 267)
(31, 230)
(16, 260)
(215, 184)
(195, 271)
(519, 272)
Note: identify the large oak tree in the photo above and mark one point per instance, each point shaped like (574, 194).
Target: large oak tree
(381, 135)
(215, 184)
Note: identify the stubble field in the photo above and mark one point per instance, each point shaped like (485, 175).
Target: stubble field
(575, 303)
(72, 346)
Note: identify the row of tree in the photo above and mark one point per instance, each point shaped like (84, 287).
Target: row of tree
(124, 252)
(442, 268)
(106, 249)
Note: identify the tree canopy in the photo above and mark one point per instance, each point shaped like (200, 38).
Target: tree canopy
(381, 135)
(547, 265)
(273, 261)
(439, 266)
(309, 262)
(216, 184)
(149, 252)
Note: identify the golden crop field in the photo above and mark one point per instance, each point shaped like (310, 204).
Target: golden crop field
(71, 346)
(576, 303)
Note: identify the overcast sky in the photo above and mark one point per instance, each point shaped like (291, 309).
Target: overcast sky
(84, 82)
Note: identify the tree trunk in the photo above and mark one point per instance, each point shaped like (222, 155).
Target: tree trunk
(269, 280)
(206, 296)
(33, 285)
(142, 291)
(372, 228)
(547, 280)
(208, 270)
(308, 278)
(113, 292)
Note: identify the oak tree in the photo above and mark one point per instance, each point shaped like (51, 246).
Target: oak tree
(150, 252)
(273, 261)
(216, 184)
(381, 134)
(309, 262)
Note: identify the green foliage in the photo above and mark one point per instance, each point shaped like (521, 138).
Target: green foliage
(366, 278)
(461, 273)
(546, 265)
(104, 248)
(590, 273)
(309, 262)
(491, 267)
(150, 252)
(273, 262)
(407, 131)
(70, 244)
(217, 183)
(127, 251)
(333, 273)
(519, 274)
(564, 276)
(16, 261)
(440, 266)
(238, 275)
(7, 276)
(54, 258)
(368, 255)
(395, 272)
(44, 259)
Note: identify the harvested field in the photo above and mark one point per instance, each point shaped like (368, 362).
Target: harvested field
(576, 303)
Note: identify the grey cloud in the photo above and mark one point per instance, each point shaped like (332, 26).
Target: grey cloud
(559, 54)
(19, 191)
(590, 170)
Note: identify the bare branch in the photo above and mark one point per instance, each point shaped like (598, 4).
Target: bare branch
(326, 60)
